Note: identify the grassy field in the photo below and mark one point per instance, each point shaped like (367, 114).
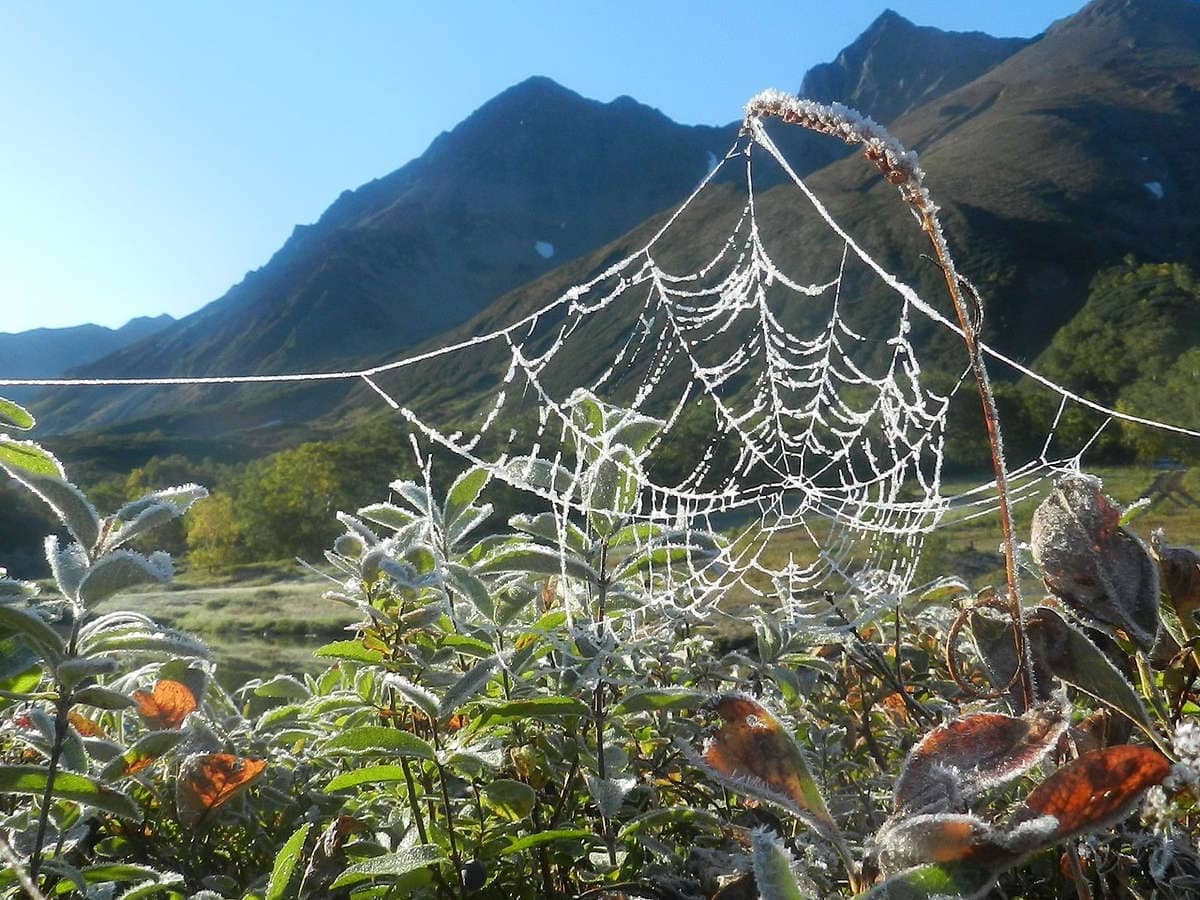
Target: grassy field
(270, 619)
(261, 624)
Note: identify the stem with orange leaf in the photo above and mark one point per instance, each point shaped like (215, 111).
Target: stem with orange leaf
(899, 167)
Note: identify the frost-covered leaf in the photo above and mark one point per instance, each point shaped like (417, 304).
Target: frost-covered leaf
(415, 494)
(546, 526)
(467, 686)
(39, 471)
(1098, 568)
(388, 515)
(535, 559)
(973, 753)
(120, 569)
(35, 632)
(421, 697)
(13, 415)
(461, 579)
(68, 565)
(772, 864)
(941, 838)
(391, 865)
(151, 511)
(755, 755)
(935, 882)
(609, 793)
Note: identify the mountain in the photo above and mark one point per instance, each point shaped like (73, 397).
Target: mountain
(49, 352)
(1069, 152)
(536, 177)
(1074, 152)
(895, 66)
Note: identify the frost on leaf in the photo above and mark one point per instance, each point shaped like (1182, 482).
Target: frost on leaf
(756, 755)
(1095, 566)
(973, 753)
(1180, 570)
(939, 838)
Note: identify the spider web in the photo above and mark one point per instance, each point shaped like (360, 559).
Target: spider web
(810, 437)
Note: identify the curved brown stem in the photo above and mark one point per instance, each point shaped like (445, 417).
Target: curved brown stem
(899, 167)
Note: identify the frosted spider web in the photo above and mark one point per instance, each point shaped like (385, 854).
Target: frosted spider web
(816, 443)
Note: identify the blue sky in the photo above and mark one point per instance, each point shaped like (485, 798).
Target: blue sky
(151, 154)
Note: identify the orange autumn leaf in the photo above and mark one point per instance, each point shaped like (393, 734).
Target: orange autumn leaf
(1097, 789)
(167, 705)
(208, 780)
(85, 726)
(754, 753)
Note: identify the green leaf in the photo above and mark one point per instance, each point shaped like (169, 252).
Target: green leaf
(654, 699)
(351, 650)
(15, 416)
(546, 837)
(463, 493)
(147, 749)
(462, 580)
(545, 526)
(391, 864)
(28, 458)
(934, 881)
(468, 646)
(365, 775)
(120, 569)
(659, 561)
(136, 639)
(283, 687)
(1085, 666)
(285, 863)
(379, 739)
(39, 471)
(511, 800)
(103, 698)
(537, 708)
(467, 686)
(535, 559)
(422, 698)
(673, 815)
(37, 635)
(67, 786)
(15, 657)
(772, 867)
(21, 683)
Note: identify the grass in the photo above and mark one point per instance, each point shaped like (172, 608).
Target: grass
(264, 622)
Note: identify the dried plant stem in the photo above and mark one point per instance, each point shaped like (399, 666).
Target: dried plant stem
(899, 167)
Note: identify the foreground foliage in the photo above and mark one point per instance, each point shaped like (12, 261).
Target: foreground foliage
(543, 713)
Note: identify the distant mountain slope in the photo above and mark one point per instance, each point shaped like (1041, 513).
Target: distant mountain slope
(536, 177)
(49, 352)
(1072, 151)
(895, 66)
(1075, 151)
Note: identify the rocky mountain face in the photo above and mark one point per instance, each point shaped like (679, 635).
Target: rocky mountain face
(49, 352)
(1051, 158)
(895, 66)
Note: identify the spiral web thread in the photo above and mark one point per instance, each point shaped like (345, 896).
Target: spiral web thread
(821, 459)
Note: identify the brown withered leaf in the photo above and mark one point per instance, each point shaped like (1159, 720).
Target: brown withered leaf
(167, 705)
(972, 753)
(1093, 564)
(209, 780)
(1094, 791)
(1180, 570)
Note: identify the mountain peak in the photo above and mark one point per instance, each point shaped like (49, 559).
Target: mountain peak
(895, 66)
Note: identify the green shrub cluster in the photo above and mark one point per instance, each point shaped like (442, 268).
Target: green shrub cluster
(545, 711)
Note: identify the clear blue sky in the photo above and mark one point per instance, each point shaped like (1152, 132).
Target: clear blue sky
(152, 153)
